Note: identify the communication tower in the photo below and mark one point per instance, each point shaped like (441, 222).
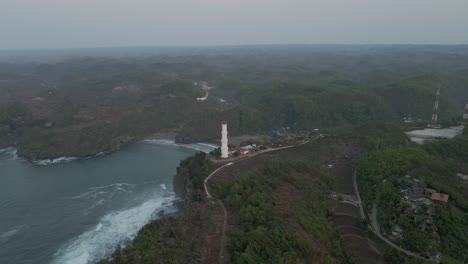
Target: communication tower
(436, 107)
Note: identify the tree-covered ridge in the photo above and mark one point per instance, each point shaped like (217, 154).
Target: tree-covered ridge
(282, 211)
(275, 228)
(454, 149)
(395, 178)
(15, 114)
(196, 168)
(181, 88)
(333, 101)
(256, 89)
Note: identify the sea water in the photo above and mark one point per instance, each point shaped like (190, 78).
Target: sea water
(71, 210)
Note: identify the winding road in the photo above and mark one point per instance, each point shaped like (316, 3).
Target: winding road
(375, 225)
(208, 195)
(205, 182)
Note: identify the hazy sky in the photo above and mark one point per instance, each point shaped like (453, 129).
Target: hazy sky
(103, 23)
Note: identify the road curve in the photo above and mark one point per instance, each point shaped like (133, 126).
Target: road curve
(375, 225)
(208, 195)
(205, 182)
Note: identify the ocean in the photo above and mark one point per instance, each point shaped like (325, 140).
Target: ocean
(76, 211)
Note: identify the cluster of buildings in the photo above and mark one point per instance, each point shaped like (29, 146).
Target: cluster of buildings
(417, 206)
(414, 192)
(280, 137)
(226, 151)
(240, 150)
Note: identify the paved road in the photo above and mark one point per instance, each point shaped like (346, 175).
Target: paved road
(208, 195)
(205, 182)
(374, 223)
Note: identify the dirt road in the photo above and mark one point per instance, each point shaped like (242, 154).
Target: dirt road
(375, 225)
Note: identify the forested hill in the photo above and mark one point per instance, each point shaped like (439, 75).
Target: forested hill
(82, 102)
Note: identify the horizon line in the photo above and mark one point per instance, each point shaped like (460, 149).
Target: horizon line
(226, 45)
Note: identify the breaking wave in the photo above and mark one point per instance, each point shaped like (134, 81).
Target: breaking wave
(55, 161)
(12, 232)
(46, 162)
(93, 192)
(204, 147)
(113, 229)
(12, 152)
(98, 203)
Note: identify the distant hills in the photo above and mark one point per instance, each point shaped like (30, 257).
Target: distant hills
(51, 101)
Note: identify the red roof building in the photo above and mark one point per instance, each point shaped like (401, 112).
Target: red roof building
(440, 197)
(241, 150)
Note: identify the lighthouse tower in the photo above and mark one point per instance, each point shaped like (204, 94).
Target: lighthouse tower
(224, 141)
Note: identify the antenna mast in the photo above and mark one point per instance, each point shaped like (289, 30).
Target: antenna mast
(436, 107)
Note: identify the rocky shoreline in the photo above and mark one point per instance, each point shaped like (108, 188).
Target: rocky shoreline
(77, 150)
(180, 237)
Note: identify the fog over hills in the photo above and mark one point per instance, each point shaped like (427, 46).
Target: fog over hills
(111, 23)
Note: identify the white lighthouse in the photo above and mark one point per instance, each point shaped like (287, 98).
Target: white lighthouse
(224, 141)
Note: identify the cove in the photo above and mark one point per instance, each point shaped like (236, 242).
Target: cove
(79, 210)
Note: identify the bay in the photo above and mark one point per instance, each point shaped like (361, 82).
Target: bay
(78, 210)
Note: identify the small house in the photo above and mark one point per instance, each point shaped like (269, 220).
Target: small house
(241, 150)
(440, 197)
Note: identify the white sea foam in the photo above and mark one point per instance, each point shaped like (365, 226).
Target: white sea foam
(163, 186)
(12, 152)
(213, 146)
(204, 147)
(55, 161)
(98, 203)
(11, 233)
(80, 259)
(46, 162)
(122, 190)
(93, 192)
(99, 227)
(99, 154)
(6, 150)
(120, 184)
(90, 194)
(112, 229)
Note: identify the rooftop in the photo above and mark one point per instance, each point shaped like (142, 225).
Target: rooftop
(440, 197)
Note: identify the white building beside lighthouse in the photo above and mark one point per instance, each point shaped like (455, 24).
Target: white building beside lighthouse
(224, 141)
